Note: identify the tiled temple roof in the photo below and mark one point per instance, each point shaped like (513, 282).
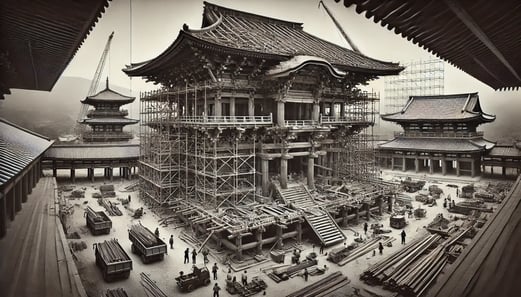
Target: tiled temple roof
(108, 95)
(456, 107)
(229, 30)
(438, 144)
(93, 152)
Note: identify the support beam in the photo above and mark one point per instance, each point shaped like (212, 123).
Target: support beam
(299, 231)
(404, 164)
(473, 168)
(3, 215)
(232, 106)
(251, 104)
(416, 165)
(443, 166)
(431, 166)
(10, 203)
(238, 243)
(458, 168)
(284, 171)
(18, 196)
(258, 235)
(73, 175)
(265, 177)
(311, 171)
(316, 112)
(25, 188)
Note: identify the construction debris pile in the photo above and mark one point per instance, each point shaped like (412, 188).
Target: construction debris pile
(414, 268)
(144, 235)
(323, 287)
(111, 251)
(119, 292)
(111, 208)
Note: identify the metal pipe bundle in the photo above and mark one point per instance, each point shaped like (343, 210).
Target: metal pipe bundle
(119, 292)
(151, 289)
(364, 249)
(323, 287)
(111, 251)
(112, 209)
(144, 235)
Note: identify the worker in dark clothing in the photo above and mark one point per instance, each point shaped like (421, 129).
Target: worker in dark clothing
(157, 232)
(380, 247)
(403, 236)
(129, 198)
(306, 274)
(171, 241)
(216, 290)
(457, 192)
(187, 257)
(244, 278)
(229, 276)
(321, 248)
(365, 228)
(194, 256)
(214, 271)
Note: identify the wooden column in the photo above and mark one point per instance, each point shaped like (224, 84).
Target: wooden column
(265, 176)
(218, 104)
(279, 236)
(390, 203)
(299, 231)
(284, 171)
(238, 243)
(73, 175)
(25, 188)
(311, 171)
(280, 113)
(3, 215)
(392, 162)
(431, 166)
(110, 172)
(345, 216)
(54, 171)
(332, 109)
(18, 196)
(404, 164)
(380, 203)
(251, 104)
(416, 165)
(258, 234)
(232, 106)
(357, 215)
(316, 112)
(443, 166)
(457, 168)
(10, 203)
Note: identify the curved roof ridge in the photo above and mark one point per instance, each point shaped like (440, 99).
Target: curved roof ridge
(234, 12)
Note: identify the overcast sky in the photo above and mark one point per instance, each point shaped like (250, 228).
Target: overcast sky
(154, 24)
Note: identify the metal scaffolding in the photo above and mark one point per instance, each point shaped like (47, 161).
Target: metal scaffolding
(424, 77)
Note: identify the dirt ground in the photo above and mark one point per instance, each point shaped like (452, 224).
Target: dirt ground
(164, 272)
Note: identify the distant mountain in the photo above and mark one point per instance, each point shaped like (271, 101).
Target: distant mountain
(50, 113)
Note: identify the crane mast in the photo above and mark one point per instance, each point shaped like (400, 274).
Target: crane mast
(79, 128)
(337, 24)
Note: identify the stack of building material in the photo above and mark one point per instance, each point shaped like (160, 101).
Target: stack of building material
(151, 289)
(112, 252)
(119, 292)
(413, 269)
(323, 287)
(94, 215)
(365, 248)
(111, 208)
(282, 274)
(144, 235)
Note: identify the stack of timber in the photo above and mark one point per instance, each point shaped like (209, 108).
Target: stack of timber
(323, 287)
(146, 244)
(94, 216)
(97, 221)
(151, 289)
(413, 269)
(111, 208)
(119, 292)
(253, 287)
(365, 248)
(112, 260)
(466, 207)
(283, 274)
(144, 235)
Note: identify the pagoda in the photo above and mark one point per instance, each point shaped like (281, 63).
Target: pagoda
(254, 110)
(106, 120)
(439, 135)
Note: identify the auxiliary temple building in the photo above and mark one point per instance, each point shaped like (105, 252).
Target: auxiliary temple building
(104, 144)
(255, 129)
(439, 136)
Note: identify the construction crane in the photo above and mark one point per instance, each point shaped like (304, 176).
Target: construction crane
(337, 24)
(79, 127)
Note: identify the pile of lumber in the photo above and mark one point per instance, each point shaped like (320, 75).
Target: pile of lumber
(111, 251)
(144, 235)
(94, 216)
(365, 248)
(323, 287)
(466, 207)
(111, 208)
(119, 292)
(282, 274)
(151, 289)
(413, 269)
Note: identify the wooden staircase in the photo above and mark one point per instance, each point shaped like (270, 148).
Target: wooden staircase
(298, 197)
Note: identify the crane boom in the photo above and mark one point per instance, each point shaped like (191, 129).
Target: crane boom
(337, 24)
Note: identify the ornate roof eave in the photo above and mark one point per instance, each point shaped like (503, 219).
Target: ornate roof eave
(91, 101)
(478, 117)
(184, 38)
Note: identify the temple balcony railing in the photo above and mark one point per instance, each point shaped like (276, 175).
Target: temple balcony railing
(213, 121)
(104, 113)
(450, 134)
(352, 120)
(300, 123)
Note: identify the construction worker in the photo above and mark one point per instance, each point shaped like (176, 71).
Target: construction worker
(194, 256)
(157, 232)
(229, 276)
(365, 228)
(187, 258)
(129, 198)
(380, 248)
(403, 236)
(171, 241)
(321, 248)
(306, 274)
(244, 278)
(205, 256)
(216, 290)
(214, 270)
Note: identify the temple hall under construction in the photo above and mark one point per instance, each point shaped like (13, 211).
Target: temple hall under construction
(258, 131)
